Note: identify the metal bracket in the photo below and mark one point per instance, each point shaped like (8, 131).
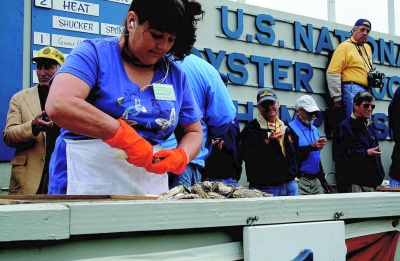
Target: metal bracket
(337, 215)
(395, 222)
(251, 220)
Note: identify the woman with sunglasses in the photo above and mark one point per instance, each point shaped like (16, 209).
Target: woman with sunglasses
(126, 94)
(358, 157)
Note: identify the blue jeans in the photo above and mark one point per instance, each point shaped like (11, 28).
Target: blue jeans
(190, 176)
(350, 90)
(286, 189)
(229, 181)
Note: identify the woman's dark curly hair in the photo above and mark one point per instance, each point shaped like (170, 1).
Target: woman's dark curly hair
(177, 17)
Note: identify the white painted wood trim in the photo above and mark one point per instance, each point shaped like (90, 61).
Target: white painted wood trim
(370, 227)
(33, 222)
(123, 216)
(61, 220)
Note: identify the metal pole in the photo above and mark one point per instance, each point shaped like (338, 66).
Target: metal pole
(27, 53)
(391, 17)
(332, 11)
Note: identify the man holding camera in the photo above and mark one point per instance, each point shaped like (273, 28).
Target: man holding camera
(348, 70)
(30, 131)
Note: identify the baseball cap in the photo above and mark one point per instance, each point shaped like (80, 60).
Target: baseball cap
(266, 94)
(49, 52)
(307, 103)
(364, 22)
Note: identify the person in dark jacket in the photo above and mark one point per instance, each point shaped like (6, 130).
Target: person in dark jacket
(394, 125)
(358, 158)
(225, 161)
(263, 149)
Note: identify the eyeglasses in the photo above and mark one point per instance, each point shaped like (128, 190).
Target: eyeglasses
(366, 106)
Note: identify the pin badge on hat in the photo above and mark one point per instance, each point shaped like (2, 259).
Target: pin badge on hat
(46, 51)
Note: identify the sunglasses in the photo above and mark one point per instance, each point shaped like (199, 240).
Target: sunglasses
(266, 104)
(313, 113)
(366, 106)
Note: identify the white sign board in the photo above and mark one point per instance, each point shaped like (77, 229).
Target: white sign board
(76, 7)
(285, 242)
(77, 25)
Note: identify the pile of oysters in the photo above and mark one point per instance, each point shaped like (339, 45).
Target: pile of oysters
(212, 190)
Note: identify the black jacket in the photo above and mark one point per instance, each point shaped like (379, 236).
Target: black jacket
(353, 165)
(265, 164)
(394, 126)
(226, 163)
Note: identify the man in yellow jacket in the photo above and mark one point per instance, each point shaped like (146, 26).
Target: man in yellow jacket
(347, 73)
(30, 131)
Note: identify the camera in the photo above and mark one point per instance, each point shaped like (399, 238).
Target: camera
(375, 79)
(46, 118)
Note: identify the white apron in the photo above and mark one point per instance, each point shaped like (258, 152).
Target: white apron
(94, 170)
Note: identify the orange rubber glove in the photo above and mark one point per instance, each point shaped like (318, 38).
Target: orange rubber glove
(174, 160)
(139, 151)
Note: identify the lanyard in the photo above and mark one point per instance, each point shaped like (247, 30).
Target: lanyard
(369, 64)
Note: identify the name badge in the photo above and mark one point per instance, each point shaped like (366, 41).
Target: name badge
(164, 92)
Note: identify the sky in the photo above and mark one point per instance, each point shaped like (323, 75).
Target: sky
(347, 11)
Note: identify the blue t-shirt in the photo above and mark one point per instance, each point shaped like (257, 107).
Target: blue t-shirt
(98, 62)
(214, 101)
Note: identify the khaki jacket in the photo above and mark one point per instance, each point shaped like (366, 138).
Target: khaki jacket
(28, 161)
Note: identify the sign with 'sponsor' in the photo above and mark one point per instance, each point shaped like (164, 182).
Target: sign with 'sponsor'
(111, 29)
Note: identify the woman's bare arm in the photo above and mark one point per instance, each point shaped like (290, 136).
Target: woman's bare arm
(66, 106)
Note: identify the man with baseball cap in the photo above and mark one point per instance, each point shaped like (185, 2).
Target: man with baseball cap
(305, 142)
(347, 73)
(264, 153)
(30, 131)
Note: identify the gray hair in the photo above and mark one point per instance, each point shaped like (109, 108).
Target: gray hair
(363, 96)
(354, 28)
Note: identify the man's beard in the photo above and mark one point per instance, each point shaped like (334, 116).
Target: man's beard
(307, 121)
